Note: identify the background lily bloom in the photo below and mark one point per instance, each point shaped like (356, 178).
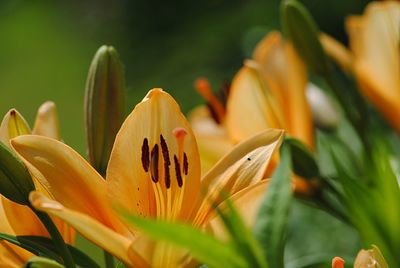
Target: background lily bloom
(154, 171)
(374, 57)
(16, 219)
(267, 92)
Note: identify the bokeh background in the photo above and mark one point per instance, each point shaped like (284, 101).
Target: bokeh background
(46, 48)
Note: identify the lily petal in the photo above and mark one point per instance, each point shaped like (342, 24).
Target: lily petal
(244, 166)
(251, 107)
(285, 73)
(10, 255)
(18, 216)
(375, 42)
(154, 164)
(300, 121)
(70, 179)
(337, 51)
(212, 138)
(247, 202)
(91, 229)
(46, 123)
(13, 125)
(270, 56)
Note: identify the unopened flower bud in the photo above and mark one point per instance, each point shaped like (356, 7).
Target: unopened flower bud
(15, 181)
(46, 123)
(104, 105)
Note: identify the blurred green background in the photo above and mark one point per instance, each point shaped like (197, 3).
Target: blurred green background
(47, 46)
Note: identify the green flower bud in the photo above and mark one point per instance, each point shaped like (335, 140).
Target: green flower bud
(104, 105)
(40, 262)
(302, 31)
(15, 181)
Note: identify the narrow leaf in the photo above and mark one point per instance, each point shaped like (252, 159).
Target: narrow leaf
(273, 214)
(79, 257)
(202, 246)
(242, 238)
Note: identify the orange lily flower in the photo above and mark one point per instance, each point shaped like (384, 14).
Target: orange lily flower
(154, 171)
(267, 92)
(374, 56)
(16, 219)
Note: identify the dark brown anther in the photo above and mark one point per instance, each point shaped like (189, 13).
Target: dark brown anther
(185, 164)
(178, 171)
(145, 155)
(154, 163)
(164, 150)
(167, 161)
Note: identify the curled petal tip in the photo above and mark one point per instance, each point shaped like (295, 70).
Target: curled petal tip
(41, 202)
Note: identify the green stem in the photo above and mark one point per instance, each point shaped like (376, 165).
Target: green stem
(57, 238)
(108, 259)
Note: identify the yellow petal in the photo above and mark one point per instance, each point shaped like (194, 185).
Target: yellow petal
(270, 56)
(70, 179)
(337, 51)
(247, 202)
(244, 166)
(375, 42)
(286, 75)
(13, 125)
(46, 123)
(91, 229)
(143, 167)
(251, 107)
(18, 215)
(10, 255)
(212, 138)
(9, 258)
(300, 118)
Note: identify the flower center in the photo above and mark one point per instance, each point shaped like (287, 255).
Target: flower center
(157, 164)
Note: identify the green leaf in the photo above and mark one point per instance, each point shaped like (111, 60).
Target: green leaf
(15, 181)
(303, 160)
(43, 246)
(301, 29)
(243, 239)
(80, 258)
(104, 105)
(31, 246)
(40, 262)
(274, 211)
(203, 247)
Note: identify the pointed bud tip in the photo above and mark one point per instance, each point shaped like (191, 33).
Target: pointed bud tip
(337, 262)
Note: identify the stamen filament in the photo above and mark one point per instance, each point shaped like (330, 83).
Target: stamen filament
(204, 89)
